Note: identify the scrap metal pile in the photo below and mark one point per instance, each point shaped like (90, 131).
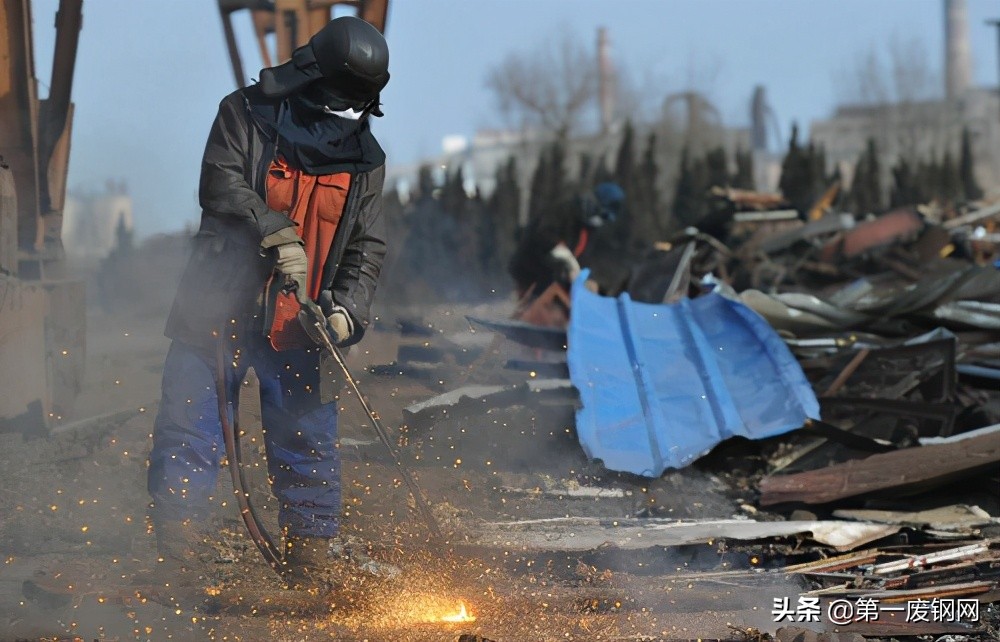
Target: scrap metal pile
(874, 385)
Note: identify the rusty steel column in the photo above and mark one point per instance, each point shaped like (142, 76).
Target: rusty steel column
(55, 125)
(263, 24)
(19, 116)
(291, 26)
(375, 12)
(231, 46)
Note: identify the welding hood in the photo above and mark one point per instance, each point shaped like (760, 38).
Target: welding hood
(348, 54)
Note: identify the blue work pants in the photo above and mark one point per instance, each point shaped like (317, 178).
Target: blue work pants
(300, 436)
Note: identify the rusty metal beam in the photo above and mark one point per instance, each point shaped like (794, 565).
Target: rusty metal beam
(373, 11)
(56, 108)
(234, 50)
(291, 26)
(58, 170)
(376, 12)
(293, 22)
(263, 24)
(19, 114)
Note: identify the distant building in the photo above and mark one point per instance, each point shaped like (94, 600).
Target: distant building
(690, 117)
(919, 130)
(92, 221)
(928, 128)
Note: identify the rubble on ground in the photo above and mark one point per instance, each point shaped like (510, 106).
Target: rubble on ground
(893, 321)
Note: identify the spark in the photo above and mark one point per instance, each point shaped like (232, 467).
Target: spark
(461, 616)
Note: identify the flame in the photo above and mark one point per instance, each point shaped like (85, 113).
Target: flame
(461, 616)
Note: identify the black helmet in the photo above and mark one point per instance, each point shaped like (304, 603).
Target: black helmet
(349, 56)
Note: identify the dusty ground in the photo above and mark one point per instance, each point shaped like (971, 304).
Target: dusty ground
(73, 508)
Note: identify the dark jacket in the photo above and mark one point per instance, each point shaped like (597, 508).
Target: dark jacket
(220, 290)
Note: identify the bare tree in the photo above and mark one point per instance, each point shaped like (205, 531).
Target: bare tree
(904, 78)
(912, 80)
(548, 87)
(896, 87)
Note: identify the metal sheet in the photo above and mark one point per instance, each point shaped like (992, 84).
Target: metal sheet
(785, 317)
(985, 316)
(884, 231)
(662, 384)
(826, 225)
(588, 533)
(529, 334)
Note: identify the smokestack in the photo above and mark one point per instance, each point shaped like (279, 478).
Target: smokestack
(957, 52)
(606, 80)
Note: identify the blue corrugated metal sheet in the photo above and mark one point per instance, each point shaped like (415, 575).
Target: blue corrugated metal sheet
(660, 385)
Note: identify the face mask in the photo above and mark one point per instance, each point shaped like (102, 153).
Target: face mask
(595, 221)
(349, 113)
(325, 98)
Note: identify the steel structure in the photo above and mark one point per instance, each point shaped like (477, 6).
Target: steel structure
(42, 343)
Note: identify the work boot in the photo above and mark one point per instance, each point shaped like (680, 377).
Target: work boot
(355, 552)
(314, 562)
(178, 562)
(307, 562)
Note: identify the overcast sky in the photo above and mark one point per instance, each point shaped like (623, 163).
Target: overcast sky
(150, 74)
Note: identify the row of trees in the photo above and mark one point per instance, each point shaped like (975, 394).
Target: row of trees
(939, 178)
(452, 233)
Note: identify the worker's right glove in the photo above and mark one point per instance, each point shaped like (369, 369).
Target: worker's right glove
(293, 264)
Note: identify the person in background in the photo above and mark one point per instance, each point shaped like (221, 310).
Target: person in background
(555, 246)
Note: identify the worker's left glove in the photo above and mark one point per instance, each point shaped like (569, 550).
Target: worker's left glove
(340, 324)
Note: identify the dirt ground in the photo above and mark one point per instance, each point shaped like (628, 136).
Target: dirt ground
(74, 514)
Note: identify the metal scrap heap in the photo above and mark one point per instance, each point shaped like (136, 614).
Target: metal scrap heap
(870, 378)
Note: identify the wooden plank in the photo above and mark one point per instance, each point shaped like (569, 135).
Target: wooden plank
(924, 466)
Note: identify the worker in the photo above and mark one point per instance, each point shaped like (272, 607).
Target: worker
(553, 248)
(291, 197)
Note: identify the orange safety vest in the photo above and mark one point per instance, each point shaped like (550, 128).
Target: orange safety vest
(316, 204)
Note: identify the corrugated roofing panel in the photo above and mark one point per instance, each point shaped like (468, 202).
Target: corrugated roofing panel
(660, 385)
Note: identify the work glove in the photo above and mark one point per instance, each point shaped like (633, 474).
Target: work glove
(338, 322)
(294, 265)
(337, 319)
(568, 263)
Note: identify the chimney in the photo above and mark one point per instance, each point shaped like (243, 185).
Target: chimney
(957, 52)
(605, 79)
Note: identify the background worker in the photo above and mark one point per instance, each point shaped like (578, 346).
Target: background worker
(290, 191)
(553, 248)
